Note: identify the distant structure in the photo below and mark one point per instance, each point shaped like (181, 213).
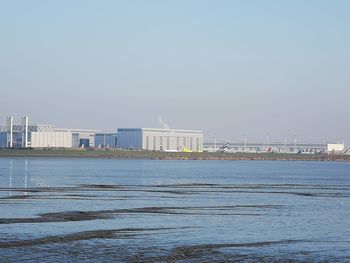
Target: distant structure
(336, 148)
(106, 140)
(170, 140)
(291, 147)
(26, 135)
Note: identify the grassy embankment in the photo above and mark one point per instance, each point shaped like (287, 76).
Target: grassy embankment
(120, 154)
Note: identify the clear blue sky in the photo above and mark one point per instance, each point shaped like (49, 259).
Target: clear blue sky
(230, 68)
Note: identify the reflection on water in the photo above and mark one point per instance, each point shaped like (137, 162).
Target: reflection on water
(160, 211)
(11, 167)
(25, 174)
(19, 164)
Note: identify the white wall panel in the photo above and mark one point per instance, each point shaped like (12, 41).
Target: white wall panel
(51, 139)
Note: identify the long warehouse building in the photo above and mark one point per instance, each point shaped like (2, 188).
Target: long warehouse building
(26, 135)
(160, 139)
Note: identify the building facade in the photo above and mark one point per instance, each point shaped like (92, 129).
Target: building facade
(160, 139)
(82, 138)
(106, 140)
(26, 135)
(54, 139)
(279, 147)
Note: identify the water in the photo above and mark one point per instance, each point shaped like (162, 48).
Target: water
(56, 209)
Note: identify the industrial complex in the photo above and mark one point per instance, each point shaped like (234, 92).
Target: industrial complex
(298, 148)
(160, 139)
(27, 135)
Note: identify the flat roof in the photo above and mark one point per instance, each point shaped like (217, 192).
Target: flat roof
(107, 133)
(77, 130)
(159, 130)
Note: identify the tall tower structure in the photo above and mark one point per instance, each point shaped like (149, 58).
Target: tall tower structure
(10, 131)
(25, 131)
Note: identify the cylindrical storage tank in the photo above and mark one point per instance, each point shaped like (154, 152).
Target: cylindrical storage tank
(84, 142)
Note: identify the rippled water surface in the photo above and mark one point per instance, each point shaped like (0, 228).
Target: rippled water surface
(89, 210)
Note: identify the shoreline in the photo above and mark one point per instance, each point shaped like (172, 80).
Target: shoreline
(157, 155)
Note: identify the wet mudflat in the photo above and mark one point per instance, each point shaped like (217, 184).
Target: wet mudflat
(88, 210)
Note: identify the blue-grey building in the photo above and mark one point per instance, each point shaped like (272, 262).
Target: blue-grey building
(106, 140)
(160, 139)
(3, 139)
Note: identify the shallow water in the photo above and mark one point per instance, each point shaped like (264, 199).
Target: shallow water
(57, 209)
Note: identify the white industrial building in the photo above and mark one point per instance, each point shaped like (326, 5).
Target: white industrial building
(335, 147)
(160, 139)
(43, 136)
(277, 147)
(54, 139)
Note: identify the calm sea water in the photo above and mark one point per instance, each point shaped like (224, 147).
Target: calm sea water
(89, 210)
